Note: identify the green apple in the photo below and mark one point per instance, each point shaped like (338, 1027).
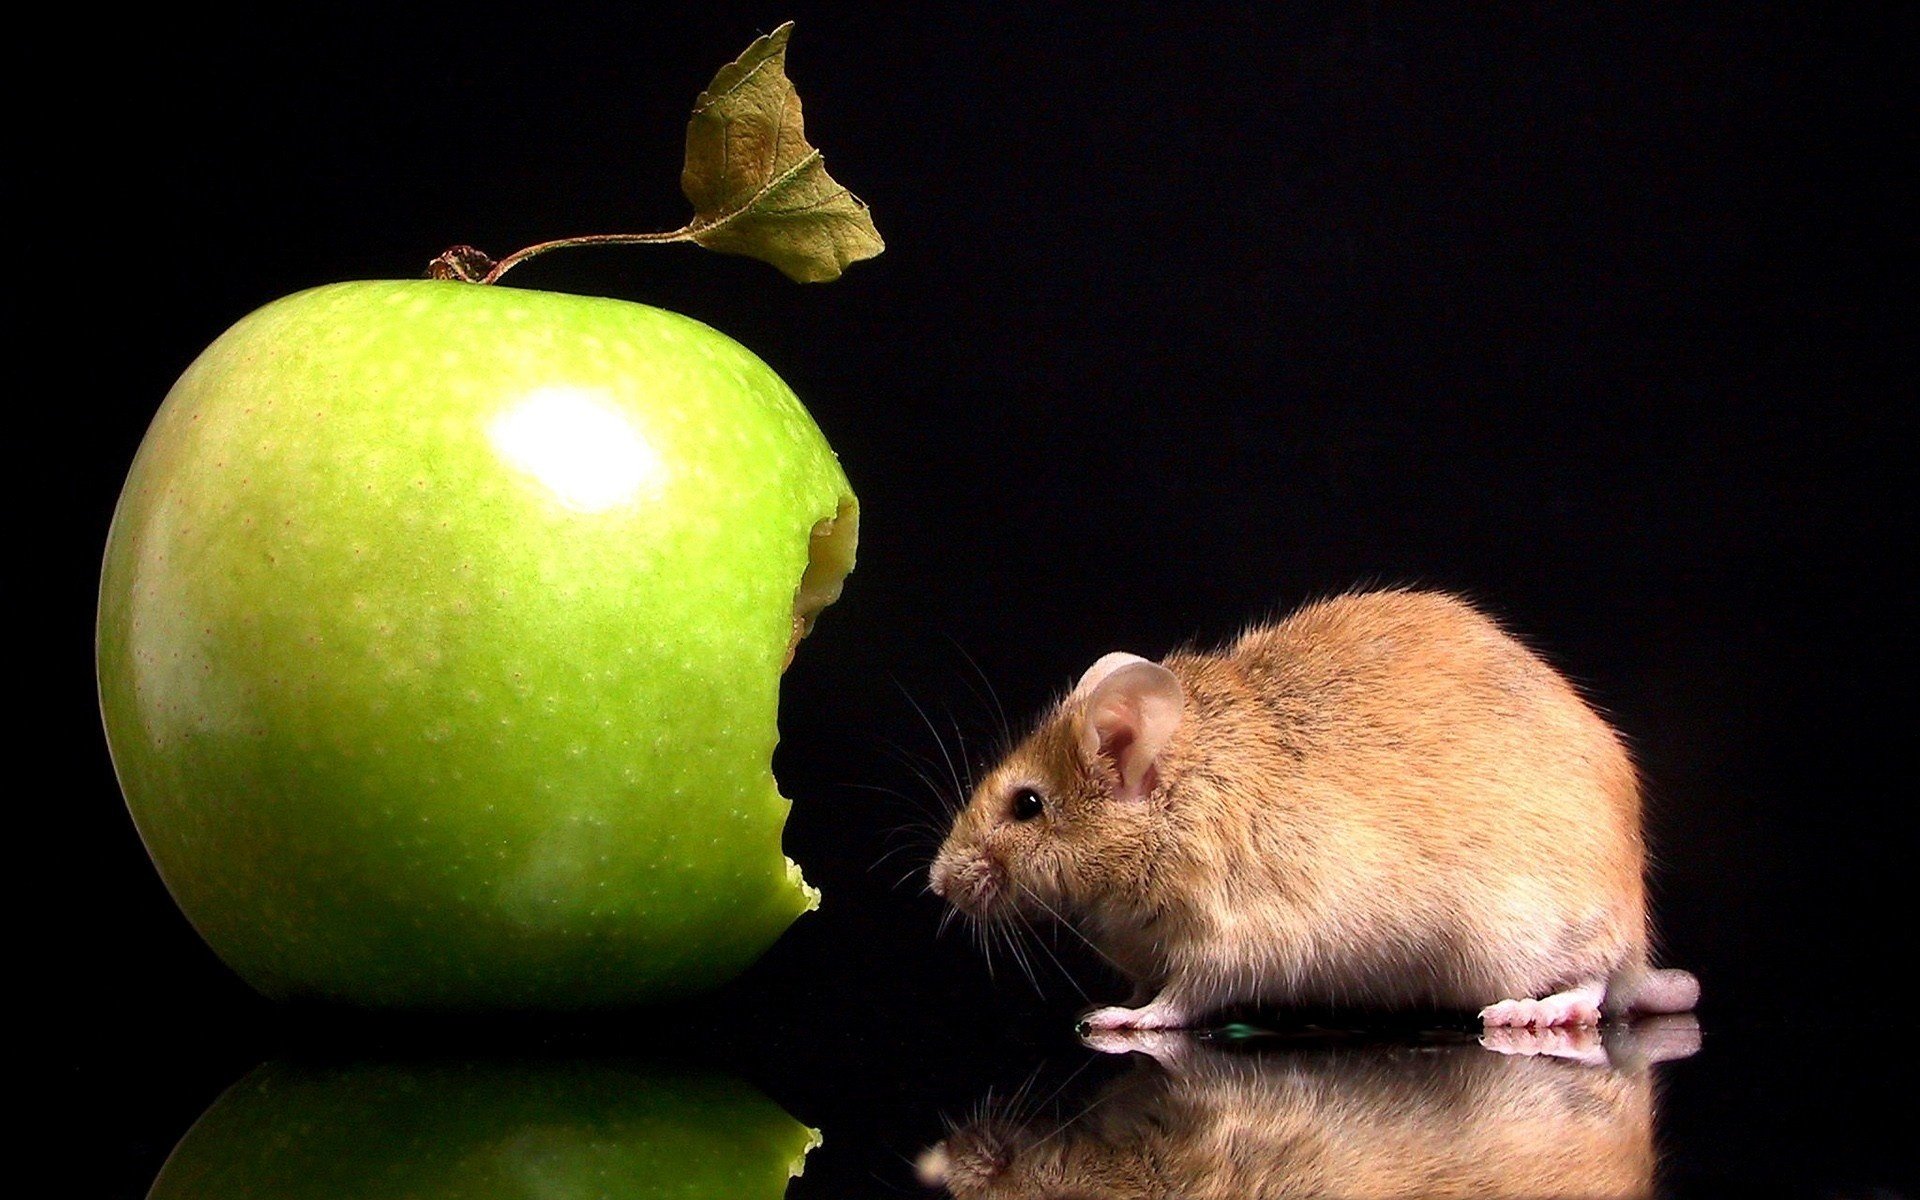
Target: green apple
(505, 1131)
(440, 636)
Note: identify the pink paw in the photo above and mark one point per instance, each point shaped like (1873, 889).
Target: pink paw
(1118, 1020)
(1579, 1043)
(1577, 1006)
(1168, 1047)
(1115, 1020)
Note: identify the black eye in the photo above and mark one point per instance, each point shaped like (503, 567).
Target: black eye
(1027, 804)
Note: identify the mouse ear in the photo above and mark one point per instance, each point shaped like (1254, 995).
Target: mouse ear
(1107, 665)
(1132, 708)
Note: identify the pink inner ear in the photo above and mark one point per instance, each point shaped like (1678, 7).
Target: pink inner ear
(1128, 720)
(1117, 728)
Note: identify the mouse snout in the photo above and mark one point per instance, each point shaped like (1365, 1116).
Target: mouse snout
(972, 1158)
(967, 879)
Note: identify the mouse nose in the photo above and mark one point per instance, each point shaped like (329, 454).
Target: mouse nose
(971, 881)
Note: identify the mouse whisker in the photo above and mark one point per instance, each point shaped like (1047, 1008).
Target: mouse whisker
(1076, 1118)
(1019, 1107)
(1055, 958)
(1011, 933)
(991, 695)
(900, 849)
(1070, 927)
(952, 771)
(964, 779)
(918, 804)
(1055, 1094)
(977, 933)
(926, 885)
(924, 770)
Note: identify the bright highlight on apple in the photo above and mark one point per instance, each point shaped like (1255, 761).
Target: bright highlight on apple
(582, 449)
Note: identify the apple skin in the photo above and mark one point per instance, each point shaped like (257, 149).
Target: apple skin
(504, 1130)
(440, 635)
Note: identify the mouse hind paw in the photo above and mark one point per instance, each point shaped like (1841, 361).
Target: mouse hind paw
(1575, 1006)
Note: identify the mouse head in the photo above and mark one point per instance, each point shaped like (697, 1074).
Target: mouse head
(1112, 1138)
(1069, 818)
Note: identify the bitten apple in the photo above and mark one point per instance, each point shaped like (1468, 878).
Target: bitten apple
(440, 636)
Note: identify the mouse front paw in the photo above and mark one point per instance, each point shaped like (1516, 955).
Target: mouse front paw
(1169, 1047)
(1113, 1019)
(1161, 1014)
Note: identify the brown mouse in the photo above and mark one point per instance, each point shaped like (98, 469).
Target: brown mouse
(1383, 800)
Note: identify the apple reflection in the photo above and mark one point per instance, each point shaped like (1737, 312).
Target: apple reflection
(1525, 1114)
(499, 1130)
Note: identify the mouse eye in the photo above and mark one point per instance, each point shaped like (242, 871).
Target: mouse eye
(1026, 804)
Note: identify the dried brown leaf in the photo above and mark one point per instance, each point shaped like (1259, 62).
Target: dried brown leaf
(756, 186)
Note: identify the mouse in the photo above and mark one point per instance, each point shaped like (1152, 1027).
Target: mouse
(1383, 800)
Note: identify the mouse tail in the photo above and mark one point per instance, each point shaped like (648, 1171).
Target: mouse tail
(1669, 990)
(1641, 990)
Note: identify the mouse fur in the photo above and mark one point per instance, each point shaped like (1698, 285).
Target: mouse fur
(1382, 800)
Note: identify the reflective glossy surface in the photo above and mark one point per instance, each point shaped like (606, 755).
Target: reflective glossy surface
(1524, 1114)
(525, 1130)
(1669, 1108)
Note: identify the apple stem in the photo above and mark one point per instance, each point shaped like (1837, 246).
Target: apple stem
(469, 265)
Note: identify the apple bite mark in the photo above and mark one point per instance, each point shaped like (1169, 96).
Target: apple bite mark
(831, 545)
(830, 552)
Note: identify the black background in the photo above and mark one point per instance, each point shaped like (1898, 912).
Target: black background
(1188, 314)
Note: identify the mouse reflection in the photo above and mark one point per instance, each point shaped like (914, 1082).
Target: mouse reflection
(1524, 1113)
(499, 1129)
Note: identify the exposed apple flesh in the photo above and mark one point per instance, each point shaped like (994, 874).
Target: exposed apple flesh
(440, 638)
